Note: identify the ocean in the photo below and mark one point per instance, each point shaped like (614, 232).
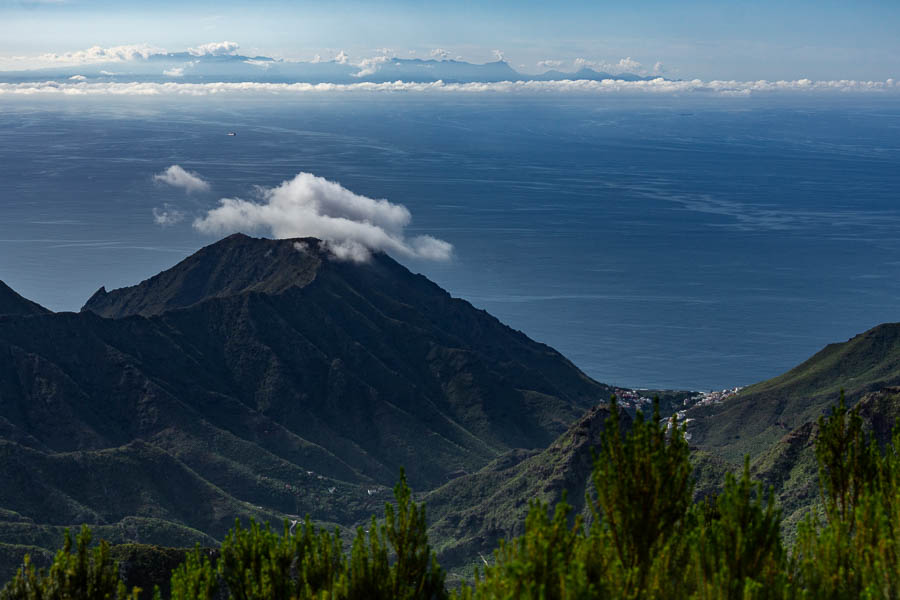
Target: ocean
(658, 242)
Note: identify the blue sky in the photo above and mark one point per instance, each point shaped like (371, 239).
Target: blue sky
(726, 40)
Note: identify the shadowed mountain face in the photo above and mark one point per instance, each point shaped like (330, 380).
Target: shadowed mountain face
(12, 303)
(236, 265)
(380, 367)
(272, 380)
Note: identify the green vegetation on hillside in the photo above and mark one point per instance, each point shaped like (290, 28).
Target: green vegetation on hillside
(471, 513)
(647, 537)
(760, 415)
(388, 561)
(790, 466)
(650, 541)
(82, 574)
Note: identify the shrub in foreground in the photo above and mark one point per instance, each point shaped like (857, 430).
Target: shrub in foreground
(391, 560)
(85, 574)
(646, 539)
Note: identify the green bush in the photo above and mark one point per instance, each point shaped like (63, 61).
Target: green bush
(83, 575)
(391, 560)
(855, 553)
(195, 579)
(736, 543)
(646, 539)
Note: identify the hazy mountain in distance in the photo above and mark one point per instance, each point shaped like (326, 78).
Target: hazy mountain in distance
(591, 75)
(187, 68)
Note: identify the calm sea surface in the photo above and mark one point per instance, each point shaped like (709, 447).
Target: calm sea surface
(666, 242)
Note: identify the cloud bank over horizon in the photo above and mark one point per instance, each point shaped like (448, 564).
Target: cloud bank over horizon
(565, 86)
(99, 54)
(353, 226)
(776, 40)
(366, 63)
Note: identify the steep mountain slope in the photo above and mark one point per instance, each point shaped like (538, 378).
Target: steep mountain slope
(264, 378)
(757, 417)
(471, 513)
(364, 355)
(106, 486)
(12, 303)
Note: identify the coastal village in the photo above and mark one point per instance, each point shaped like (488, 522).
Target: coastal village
(636, 400)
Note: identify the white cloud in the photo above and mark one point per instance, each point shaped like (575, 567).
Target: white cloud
(107, 73)
(78, 78)
(174, 72)
(215, 49)
(316, 59)
(311, 206)
(583, 86)
(368, 66)
(178, 177)
(624, 65)
(658, 68)
(98, 54)
(628, 65)
(498, 55)
(342, 58)
(167, 216)
(440, 54)
(549, 64)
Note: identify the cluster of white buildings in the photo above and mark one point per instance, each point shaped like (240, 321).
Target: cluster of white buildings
(703, 399)
(632, 399)
(711, 397)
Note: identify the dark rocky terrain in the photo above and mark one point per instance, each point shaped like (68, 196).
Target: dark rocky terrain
(12, 304)
(260, 378)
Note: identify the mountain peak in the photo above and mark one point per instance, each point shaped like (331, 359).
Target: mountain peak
(234, 265)
(11, 303)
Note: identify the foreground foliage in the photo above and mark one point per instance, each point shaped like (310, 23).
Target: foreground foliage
(648, 540)
(388, 561)
(644, 538)
(85, 574)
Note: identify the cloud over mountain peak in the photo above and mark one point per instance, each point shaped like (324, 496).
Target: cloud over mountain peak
(310, 206)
